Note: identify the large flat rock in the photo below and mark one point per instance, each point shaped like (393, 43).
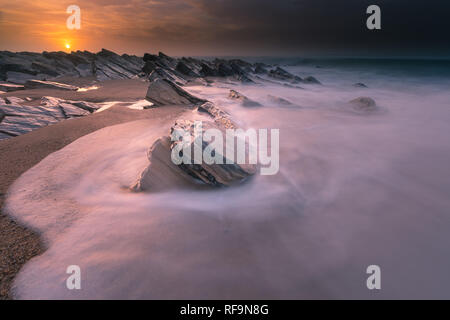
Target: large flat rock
(163, 92)
(36, 84)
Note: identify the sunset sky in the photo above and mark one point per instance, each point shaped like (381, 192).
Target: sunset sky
(228, 27)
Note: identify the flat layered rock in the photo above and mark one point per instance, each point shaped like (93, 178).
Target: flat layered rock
(16, 126)
(9, 87)
(163, 92)
(36, 84)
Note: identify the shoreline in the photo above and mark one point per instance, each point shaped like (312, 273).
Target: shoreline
(18, 243)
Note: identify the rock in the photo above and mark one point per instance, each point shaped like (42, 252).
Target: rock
(35, 84)
(281, 74)
(13, 100)
(311, 80)
(20, 125)
(359, 85)
(5, 135)
(211, 174)
(161, 173)
(364, 104)
(260, 68)
(222, 118)
(69, 109)
(23, 66)
(9, 87)
(279, 101)
(184, 69)
(164, 92)
(207, 71)
(234, 95)
(2, 115)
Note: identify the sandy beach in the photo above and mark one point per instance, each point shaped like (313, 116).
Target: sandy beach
(18, 243)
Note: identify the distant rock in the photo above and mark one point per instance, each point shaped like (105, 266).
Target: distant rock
(279, 101)
(36, 84)
(234, 95)
(9, 87)
(364, 104)
(13, 100)
(20, 67)
(163, 92)
(359, 85)
(184, 69)
(281, 74)
(260, 68)
(311, 80)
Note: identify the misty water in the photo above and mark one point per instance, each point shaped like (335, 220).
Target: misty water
(354, 189)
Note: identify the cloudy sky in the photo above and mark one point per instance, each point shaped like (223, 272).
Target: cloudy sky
(229, 27)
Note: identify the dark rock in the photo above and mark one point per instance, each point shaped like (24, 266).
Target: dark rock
(164, 92)
(311, 80)
(279, 101)
(150, 57)
(260, 68)
(359, 85)
(234, 95)
(185, 70)
(207, 71)
(281, 74)
(2, 115)
(364, 104)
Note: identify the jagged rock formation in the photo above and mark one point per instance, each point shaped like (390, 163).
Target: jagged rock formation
(20, 67)
(164, 92)
(9, 87)
(19, 118)
(23, 66)
(162, 172)
(246, 102)
(281, 74)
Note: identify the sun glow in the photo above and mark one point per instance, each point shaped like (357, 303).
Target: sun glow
(67, 46)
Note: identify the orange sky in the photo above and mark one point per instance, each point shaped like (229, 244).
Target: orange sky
(125, 26)
(227, 27)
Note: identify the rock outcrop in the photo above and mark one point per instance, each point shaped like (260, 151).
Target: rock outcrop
(23, 66)
(364, 104)
(164, 92)
(19, 118)
(279, 101)
(246, 102)
(9, 87)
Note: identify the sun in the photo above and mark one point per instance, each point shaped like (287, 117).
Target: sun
(67, 46)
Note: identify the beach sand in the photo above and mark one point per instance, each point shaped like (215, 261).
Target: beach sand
(18, 244)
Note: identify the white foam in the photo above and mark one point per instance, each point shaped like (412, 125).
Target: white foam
(353, 190)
